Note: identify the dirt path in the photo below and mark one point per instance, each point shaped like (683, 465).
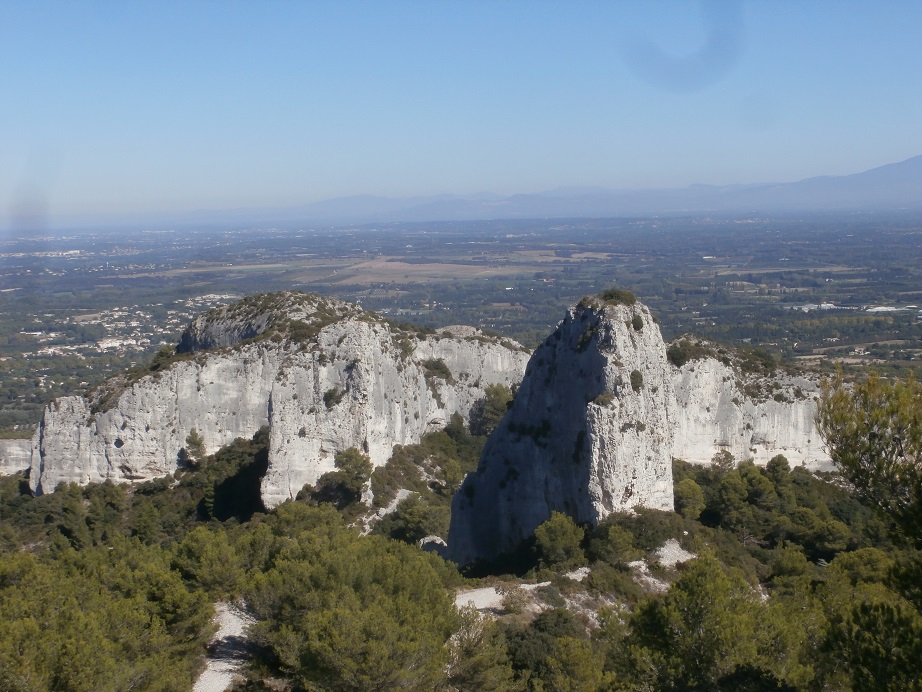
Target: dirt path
(228, 650)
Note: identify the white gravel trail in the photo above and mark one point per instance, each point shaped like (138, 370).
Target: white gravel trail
(489, 597)
(227, 652)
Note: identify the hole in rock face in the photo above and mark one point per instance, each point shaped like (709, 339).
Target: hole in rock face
(119, 443)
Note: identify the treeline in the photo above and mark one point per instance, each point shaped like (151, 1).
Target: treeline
(108, 587)
(101, 587)
(796, 585)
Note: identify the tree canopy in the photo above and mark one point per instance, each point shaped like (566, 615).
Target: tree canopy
(874, 434)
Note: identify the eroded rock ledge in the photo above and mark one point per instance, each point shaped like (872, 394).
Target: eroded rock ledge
(324, 375)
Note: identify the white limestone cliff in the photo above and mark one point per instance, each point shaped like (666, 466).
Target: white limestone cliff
(323, 375)
(593, 428)
(15, 456)
(141, 435)
(715, 413)
(581, 440)
(382, 397)
(590, 432)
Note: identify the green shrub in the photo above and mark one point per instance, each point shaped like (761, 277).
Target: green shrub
(415, 518)
(611, 543)
(515, 600)
(614, 296)
(650, 528)
(333, 396)
(340, 611)
(435, 367)
(487, 412)
(162, 358)
(442, 457)
(400, 471)
(604, 399)
(344, 487)
(300, 331)
(753, 359)
(689, 498)
(615, 581)
(105, 618)
(559, 541)
(585, 338)
(685, 350)
(676, 355)
(195, 447)
(636, 380)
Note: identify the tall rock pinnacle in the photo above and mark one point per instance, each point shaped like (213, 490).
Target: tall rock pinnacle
(589, 432)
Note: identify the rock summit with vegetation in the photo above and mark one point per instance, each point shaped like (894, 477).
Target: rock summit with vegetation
(323, 375)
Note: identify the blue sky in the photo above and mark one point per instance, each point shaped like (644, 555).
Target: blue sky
(136, 107)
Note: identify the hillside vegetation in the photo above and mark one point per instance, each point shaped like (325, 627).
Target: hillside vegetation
(796, 585)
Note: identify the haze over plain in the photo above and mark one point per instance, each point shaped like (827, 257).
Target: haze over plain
(137, 113)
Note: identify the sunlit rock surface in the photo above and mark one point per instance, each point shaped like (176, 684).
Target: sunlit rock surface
(322, 374)
(599, 417)
(589, 432)
(714, 413)
(15, 456)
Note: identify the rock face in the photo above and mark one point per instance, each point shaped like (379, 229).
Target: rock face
(715, 412)
(600, 415)
(323, 375)
(593, 429)
(590, 432)
(15, 456)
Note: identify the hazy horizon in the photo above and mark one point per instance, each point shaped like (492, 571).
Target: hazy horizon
(125, 111)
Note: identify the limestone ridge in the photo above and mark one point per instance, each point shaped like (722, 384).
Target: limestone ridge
(14, 456)
(324, 376)
(589, 433)
(601, 413)
(751, 412)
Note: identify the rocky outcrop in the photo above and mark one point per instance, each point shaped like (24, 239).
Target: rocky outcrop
(752, 416)
(374, 390)
(600, 414)
(322, 374)
(229, 325)
(138, 431)
(590, 432)
(15, 456)
(593, 428)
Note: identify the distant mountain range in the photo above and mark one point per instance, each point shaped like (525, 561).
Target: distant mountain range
(893, 187)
